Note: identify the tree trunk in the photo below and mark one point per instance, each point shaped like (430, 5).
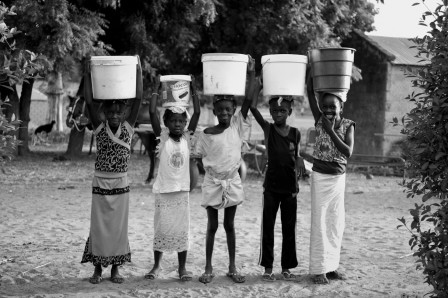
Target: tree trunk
(60, 119)
(24, 115)
(55, 101)
(75, 142)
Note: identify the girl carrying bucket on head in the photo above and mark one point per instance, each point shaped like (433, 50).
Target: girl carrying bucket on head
(108, 242)
(333, 146)
(172, 185)
(220, 149)
(280, 186)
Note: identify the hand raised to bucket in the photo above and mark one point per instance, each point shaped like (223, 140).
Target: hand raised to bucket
(258, 86)
(88, 95)
(156, 84)
(251, 64)
(193, 86)
(155, 122)
(196, 106)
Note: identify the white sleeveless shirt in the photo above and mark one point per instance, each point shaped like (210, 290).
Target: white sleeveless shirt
(174, 164)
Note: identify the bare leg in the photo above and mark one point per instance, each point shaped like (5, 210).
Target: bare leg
(115, 276)
(184, 275)
(154, 273)
(212, 227)
(229, 226)
(96, 277)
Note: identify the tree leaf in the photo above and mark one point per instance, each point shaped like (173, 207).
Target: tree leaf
(427, 196)
(439, 155)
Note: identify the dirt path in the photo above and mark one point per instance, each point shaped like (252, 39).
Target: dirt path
(45, 213)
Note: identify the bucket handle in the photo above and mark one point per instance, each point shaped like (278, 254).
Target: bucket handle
(263, 64)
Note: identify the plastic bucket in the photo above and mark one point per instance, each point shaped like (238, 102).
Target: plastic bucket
(175, 90)
(332, 68)
(224, 73)
(114, 77)
(284, 74)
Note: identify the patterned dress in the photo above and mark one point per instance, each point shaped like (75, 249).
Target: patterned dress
(108, 242)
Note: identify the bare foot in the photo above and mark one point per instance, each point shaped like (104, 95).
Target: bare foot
(287, 275)
(185, 275)
(115, 276)
(153, 274)
(207, 276)
(320, 279)
(268, 275)
(96, 277)
(235, 276)
(336, 275)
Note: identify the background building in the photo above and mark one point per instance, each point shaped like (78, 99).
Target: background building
(381, 94)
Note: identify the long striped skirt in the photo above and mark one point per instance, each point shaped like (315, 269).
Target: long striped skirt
(108, 242)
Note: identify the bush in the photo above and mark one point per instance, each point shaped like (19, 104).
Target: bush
(8, 140)
(426, 130)
(18, 65)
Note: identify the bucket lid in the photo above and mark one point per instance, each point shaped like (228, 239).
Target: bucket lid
(225, 57)
(318, 50)
(175, 78)
(335, 48)
(331, 54)
(113, 60)
(284, 58)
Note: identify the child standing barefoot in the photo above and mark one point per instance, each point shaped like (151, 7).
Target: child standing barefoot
(334, 145)
(280, 185)
(172, 185)
(220, 149)
(108, 242)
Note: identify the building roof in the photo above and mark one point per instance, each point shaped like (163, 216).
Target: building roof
(397, 49)
(36, 94)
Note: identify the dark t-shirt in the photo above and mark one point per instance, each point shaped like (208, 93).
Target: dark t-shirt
(281, 175)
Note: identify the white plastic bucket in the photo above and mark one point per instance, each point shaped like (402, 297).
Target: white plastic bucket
(114, 77)
(175, 90)
(332, 68)
(224, 73)
(284, 74)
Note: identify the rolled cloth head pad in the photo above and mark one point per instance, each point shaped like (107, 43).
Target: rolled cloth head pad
(279, 99)
(342, 95)
(223, 97)
(179, 110)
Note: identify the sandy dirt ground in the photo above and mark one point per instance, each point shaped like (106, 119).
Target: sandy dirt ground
(45, 217)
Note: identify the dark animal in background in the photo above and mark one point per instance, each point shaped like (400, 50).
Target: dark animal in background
(47, 128)
(40, 130)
